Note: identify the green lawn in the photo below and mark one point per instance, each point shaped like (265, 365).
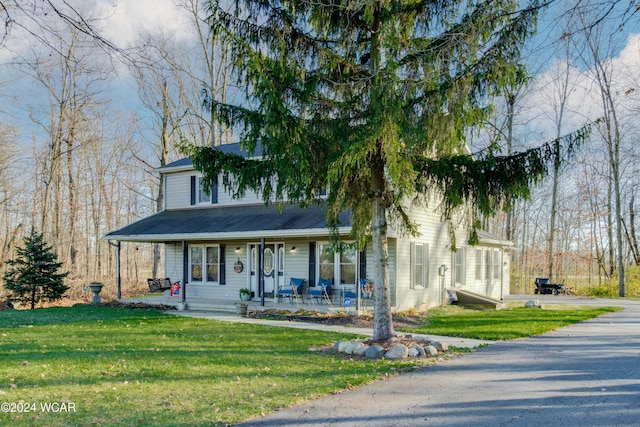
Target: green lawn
(138, 367)
(116, 367)
(506, 324)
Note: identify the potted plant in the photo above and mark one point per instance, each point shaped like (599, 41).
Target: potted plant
(245, 294)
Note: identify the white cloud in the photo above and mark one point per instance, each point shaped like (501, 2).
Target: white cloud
(128, 18)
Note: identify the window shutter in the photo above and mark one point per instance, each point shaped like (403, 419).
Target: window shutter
(223, 265)
(363, 264)
(193, 190)
(425, 266)
(312, 264)
(185, 262)
(412, 273)
(214, 194)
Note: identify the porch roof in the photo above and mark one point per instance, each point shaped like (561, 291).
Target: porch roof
(489, 239)
(229, 222)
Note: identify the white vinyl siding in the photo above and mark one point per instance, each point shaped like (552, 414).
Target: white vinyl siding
(178, 193)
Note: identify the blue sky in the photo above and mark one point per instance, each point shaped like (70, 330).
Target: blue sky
(122, 21)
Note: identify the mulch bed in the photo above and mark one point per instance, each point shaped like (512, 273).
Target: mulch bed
(400, 320)
(137, 305)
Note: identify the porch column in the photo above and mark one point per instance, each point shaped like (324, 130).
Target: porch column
(185, 270)
(261, 273)
(117, 245)
(118, 277)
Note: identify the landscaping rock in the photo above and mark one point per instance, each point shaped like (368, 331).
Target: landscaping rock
(441, 347)
(431, 350)
(374, 352)
(353, 346)
(532, 304)
(341, 346)
(397, 352)
(416, 351)
(360, 350)
(397, 348)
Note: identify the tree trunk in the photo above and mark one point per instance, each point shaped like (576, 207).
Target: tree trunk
(633, 238)
(382, 320)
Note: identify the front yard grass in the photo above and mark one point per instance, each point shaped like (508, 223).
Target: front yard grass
(123, 367)
(508, 324)
(118, 367)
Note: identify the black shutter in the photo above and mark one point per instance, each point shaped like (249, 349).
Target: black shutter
(312, 264)
(214, 194)
(363, 264)
(193, 190)
(185, 262)
(223, 265)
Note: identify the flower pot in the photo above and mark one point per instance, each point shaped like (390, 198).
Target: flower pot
(245, 297)
(96, 288)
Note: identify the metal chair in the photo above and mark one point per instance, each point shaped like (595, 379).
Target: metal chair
(321, 292)
(294, 290)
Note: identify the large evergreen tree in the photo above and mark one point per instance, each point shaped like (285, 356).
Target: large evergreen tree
(33, 275)
(372, 100)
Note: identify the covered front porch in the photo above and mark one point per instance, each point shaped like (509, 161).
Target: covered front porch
(364, 305)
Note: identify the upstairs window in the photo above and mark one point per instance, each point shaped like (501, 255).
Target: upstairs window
(200, 195)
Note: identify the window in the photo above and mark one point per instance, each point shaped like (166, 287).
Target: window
(488, 268)
(419, 265)
(326, 262)
(204, 260)
(478, 264)
(196, 263)
(199, 194)
(340, 267)
(496, 264)
(213, 261)
(280, 259)
(348, 260)
(458, 267)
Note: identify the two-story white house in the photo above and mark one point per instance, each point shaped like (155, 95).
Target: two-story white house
(216, 245)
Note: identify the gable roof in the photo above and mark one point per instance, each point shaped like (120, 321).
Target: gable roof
(230, 222)
(186, 163)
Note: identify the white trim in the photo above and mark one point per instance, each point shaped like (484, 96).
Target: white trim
(228, 235)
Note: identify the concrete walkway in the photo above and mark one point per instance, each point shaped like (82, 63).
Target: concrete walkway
(587, 374)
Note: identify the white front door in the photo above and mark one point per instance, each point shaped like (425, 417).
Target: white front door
(269, 269)
(272, 268)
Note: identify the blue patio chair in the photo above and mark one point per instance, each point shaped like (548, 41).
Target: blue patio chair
(353, 294)
(321, 292)
(294, 290)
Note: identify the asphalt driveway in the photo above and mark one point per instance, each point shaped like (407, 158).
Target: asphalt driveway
(587, 374)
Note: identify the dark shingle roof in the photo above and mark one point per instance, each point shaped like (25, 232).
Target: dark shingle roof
(225, 148)
(228, 222)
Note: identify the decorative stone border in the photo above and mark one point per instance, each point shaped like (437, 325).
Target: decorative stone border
(406, 346)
